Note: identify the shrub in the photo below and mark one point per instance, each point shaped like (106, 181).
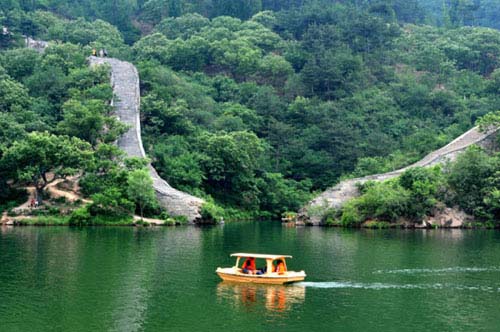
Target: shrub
(211, 213)
(377, 224)
(180, 220)
(60, 200)
(350, 214)
(170, 222)
(386, 201)
(111, 203)
(329, 216)
(289, 216)
(80, 217)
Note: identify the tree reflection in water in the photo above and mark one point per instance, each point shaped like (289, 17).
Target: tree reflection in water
(274, 298)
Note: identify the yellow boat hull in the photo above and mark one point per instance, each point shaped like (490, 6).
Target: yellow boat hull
(233, 275)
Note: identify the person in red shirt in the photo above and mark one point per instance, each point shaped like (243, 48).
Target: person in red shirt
(249, 265)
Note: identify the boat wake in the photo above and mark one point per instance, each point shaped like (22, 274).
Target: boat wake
(455, 269)
(382, 286)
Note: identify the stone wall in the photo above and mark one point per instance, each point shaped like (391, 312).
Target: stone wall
(338, 195)
(125, 83)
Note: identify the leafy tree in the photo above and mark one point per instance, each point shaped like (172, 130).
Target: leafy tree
(41, 158)
(110, 203)
(243, 9)
(274, 70)
(140, 189)
(423, 185)
(105, 170)
(20, 63)
(333, 74)
(178, 164)
(230, 165)
(469, 177)
(83, 122)
(13, 96)
(182, 27)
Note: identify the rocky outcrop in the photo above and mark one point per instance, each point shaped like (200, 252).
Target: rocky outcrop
(447, 218)
(125, 82)
(38, 45)
(336, 196)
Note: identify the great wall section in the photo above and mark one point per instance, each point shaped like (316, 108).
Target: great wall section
(336, 196)
(125, 83)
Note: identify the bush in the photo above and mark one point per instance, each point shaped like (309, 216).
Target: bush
(170, 222)
(379, 201)
(377, 224)
(60, 200)
(111, 203)
(211, 213)
(350, 214)
(386, 201)
(289, 216)
(329, 216)
(181, 220)
(80, 217)
(423, 185)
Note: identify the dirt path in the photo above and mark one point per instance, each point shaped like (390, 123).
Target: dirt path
(54, 192)
(71, 195)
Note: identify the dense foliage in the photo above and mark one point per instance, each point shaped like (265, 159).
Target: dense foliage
(257, 103)
(470, 183)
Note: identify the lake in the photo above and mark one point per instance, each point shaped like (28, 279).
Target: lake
(163, 279)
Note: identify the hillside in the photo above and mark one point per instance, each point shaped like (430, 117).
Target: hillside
(255, 110)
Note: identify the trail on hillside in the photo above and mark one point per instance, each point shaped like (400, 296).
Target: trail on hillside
(70, 194)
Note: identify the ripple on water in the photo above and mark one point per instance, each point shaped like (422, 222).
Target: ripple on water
(382, 286)
(455, 269)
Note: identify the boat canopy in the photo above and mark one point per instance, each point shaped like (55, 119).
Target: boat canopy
(273, 257)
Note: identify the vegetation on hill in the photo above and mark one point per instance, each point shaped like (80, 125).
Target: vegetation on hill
(257, 103)
(470, 183)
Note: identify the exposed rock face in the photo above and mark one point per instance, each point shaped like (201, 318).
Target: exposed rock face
(336, 196)
(125, 83)
(448, 218)
(38, 45)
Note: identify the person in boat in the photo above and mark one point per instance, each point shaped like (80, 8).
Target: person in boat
(280, 267)
(249, 265)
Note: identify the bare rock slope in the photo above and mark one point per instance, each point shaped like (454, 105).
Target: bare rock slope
(336, 196)
(125, 82)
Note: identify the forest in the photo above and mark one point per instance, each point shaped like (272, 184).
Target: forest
(254, 105)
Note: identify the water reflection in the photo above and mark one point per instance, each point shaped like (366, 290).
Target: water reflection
(274, 298)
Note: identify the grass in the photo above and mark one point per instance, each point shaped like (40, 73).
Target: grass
(65, 221)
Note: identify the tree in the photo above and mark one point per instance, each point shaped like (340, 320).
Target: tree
(140, 189)
(423, 185)
(333, 74)
(230, 163)
(13, 96)
(41, 158)
(469, 177)
(83, 122)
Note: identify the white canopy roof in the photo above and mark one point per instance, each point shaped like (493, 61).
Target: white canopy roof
(240, 254)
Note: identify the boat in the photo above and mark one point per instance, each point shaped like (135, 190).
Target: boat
(263, 276)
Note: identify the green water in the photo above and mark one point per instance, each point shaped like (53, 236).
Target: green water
(162, 279)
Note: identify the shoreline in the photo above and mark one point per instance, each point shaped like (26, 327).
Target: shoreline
(136, 221)
(53, 221)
